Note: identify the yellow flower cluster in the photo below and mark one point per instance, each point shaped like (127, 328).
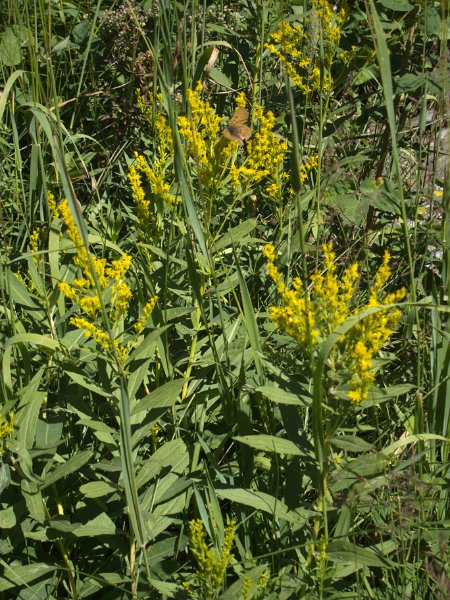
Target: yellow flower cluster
(201, 132)
(286, 44)
(163, 132)
(297, 49)
(266, 152)
(111, 279)
(34, 243)
(307, 166)
(150, 214)
(146, 312)
(369, 336)
(211, 567)
(311, 317)
(6, 428)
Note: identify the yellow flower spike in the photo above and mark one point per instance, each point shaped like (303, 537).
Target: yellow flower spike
(266, 152)
(329, 305)
(146, 312)
(211, 566)
(34, 243)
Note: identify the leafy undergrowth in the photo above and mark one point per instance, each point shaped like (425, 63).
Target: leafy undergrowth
(224, 283)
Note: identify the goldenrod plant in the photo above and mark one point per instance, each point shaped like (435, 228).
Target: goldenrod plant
(224, 283)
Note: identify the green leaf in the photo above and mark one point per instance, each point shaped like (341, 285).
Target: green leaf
(5, 93)
(72, 465)
(7, 518)
(351, 443)
(10, 54)
(36, 339)
(146, 348)
(20, 575)
(33, 499)
(378, 395)
(18, 290)
(170, 454)
(279, 396)
(48, 435)
(164, 396)
(251, 326)
(86, 382)
(97, 489)
(346, 552)
(5, 476)
(270, 443)
(266, 503)
(28, 412)
(236, 235)
(101, 525)
(220, 78)
(397, 5)
(413, 439)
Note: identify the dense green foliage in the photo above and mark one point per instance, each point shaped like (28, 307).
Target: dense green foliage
(225, 354)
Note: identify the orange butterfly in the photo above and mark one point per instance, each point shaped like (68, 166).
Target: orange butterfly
(237, 129)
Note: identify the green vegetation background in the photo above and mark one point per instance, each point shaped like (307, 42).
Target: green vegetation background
(225, 358)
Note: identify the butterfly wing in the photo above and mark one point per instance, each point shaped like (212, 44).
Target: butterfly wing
(237, 130)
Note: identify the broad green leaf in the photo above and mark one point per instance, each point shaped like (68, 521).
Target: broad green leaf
(5, 476)
(72, 465)
(397, 5)
(172, 453)
(10, 54)
(7, 518)
(351, 443)
(164, 396)
(28, 412)
(266, 503)
(33, 499)
(346, 552)
(44, 342)
(147, 347)
(86, 382)
(235, 235)
(219, 77)
(279, 396)
(341, 571)
(378, 395)
(101, 525)
(18, 290)
(48, 435)
(97, 489)
(270, 443)
(20, 575)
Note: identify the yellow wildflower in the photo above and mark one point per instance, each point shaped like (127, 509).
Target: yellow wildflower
(211, 566)
(313, 316)
(34, 243)
(266, 152)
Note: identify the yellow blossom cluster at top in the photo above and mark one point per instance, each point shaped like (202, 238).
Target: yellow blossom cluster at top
(298, 51)
(309, 317)
(266, 152)
(114, 291)
(211, 567)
